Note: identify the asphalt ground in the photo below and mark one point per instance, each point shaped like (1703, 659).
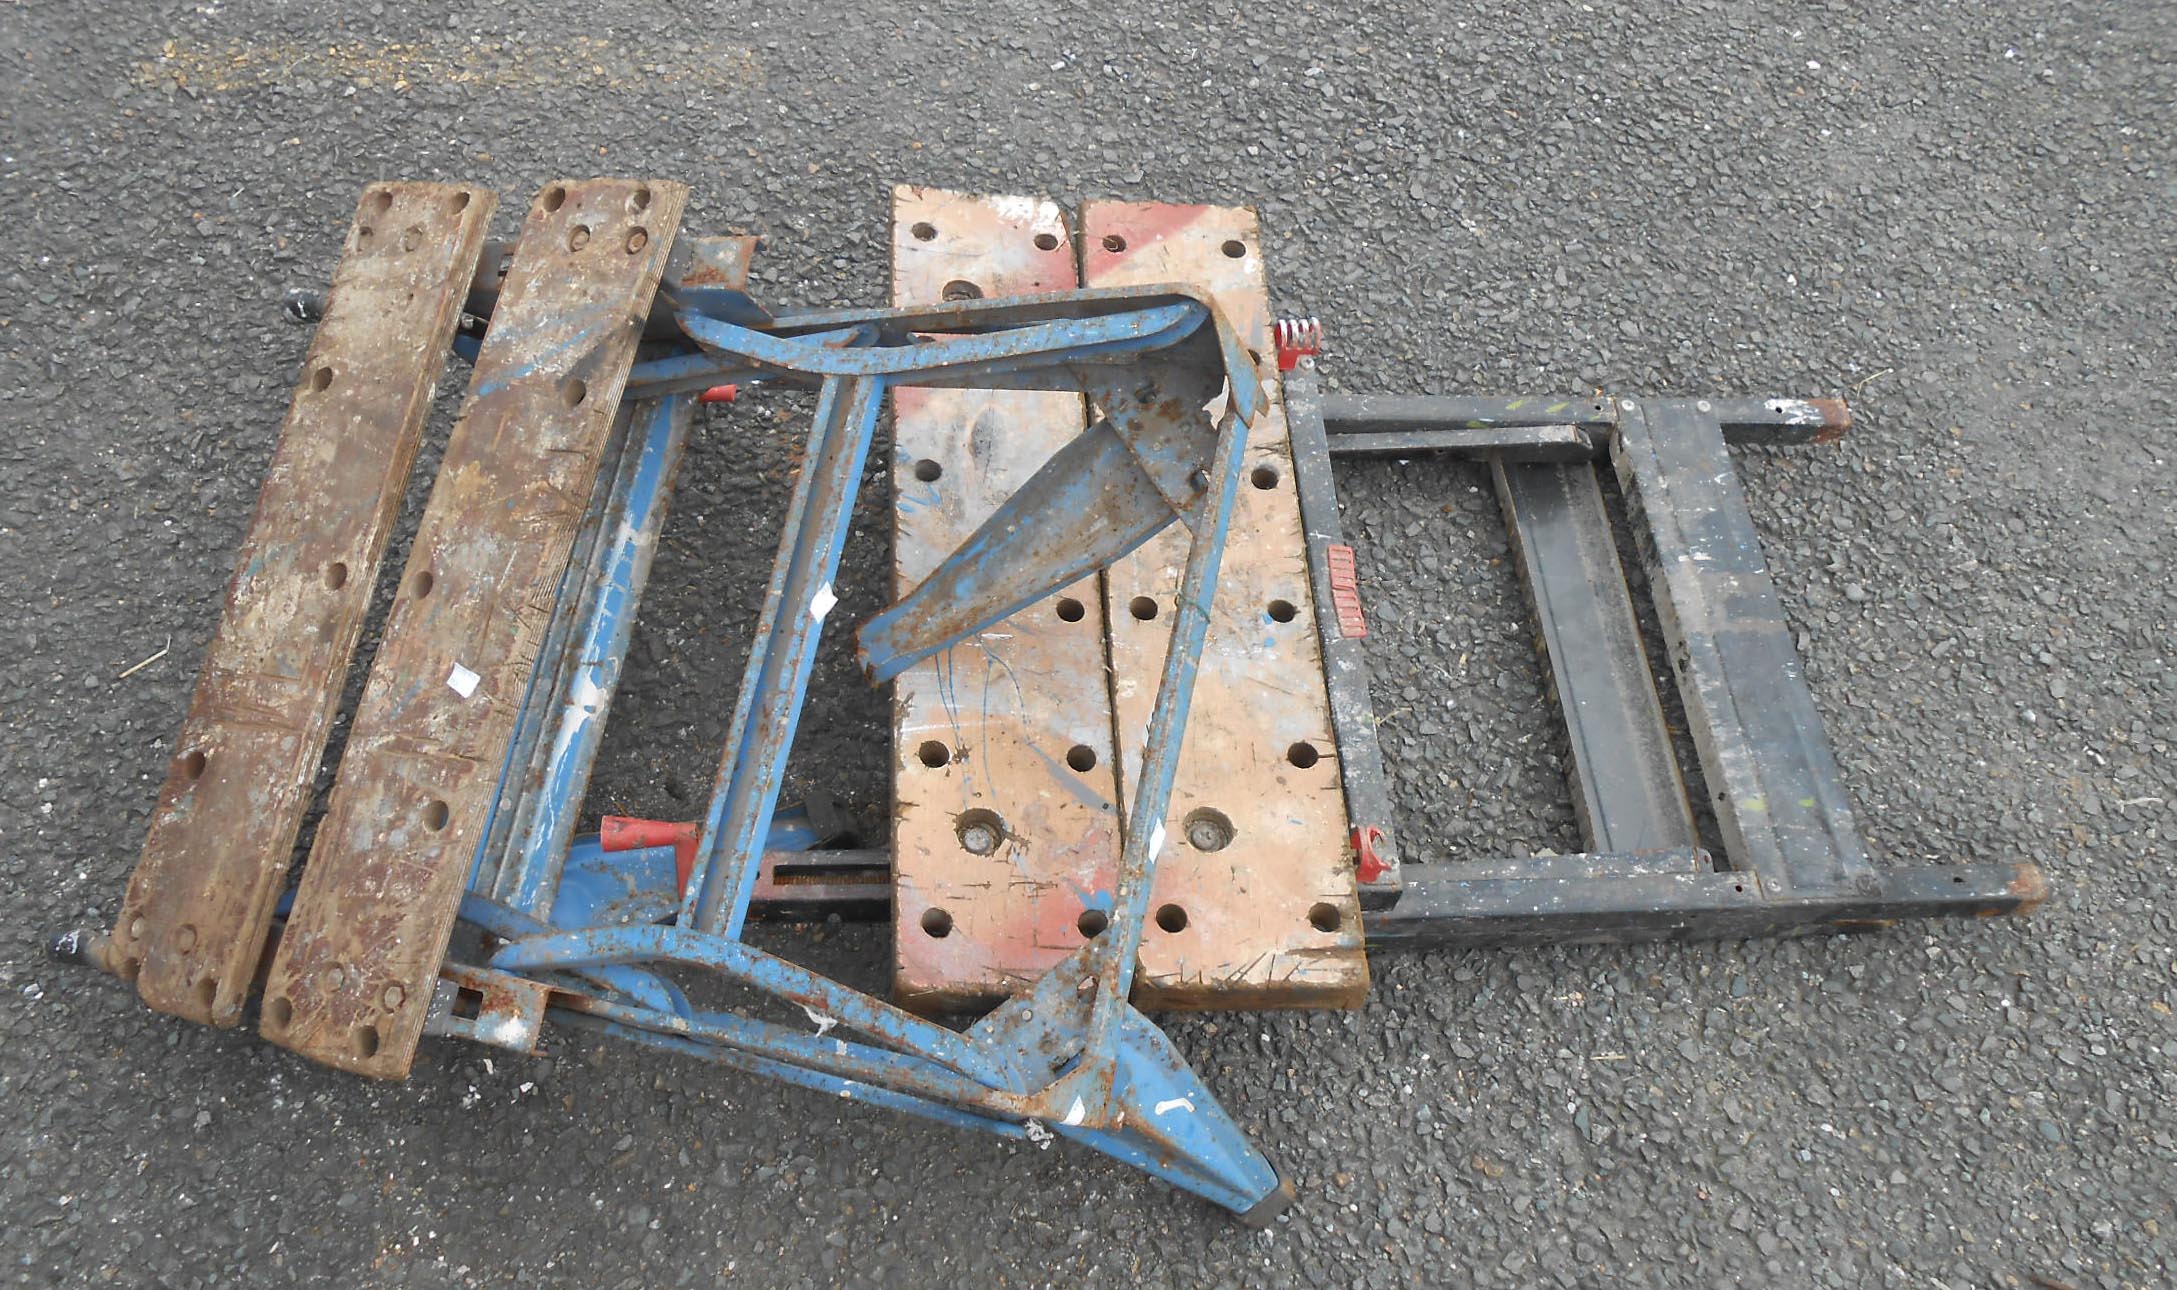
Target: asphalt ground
(1962, 217)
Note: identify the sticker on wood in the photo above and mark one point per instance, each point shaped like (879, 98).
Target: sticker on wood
(200, 903)
(1255, 904)
(359, 960)
(1006, 835)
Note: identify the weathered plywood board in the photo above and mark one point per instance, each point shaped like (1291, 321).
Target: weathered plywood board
(359, 959)
(1006, 837)
(199, 905)
(1255, 901)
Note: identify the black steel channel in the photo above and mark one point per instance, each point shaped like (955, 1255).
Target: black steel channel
(1444, 909)
(1345, 664)
(1626, 786)
(1771, 773)
(1345, 414)
(1560, 443)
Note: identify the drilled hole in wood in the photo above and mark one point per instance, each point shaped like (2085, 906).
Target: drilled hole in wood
(1092, 922)
(458, 203)
(363, 237)
(936, 923)
(336, 575)
(208, 991)
(1207, 829)
(1171, 918)
(579, 238)
(412, 237)
(186, 939)
(422, 584)
(637, 239)
(1142, 607)
(933, 753)
(1235, 248)
(1114, 243)
(192, 766)
(928, 471)
(131, 968)
(981, 832)
(961, 289)
(366, 1041)
(321, 379)
(1303, 754)
(435, 815)
(554, 197)
(1282, 611)
(1325, 917)
(639, 200)
(1046, 241)
(572, 391)
(923, 231)
(1081, 757)
(377, 204)
(1071, 610)
(136, 928)
(278, 1012)
(468, 1003)
(1263, 477)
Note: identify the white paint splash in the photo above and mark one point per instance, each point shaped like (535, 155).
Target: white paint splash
(1171, 1104)
(821, 603)
(822, 1022)
(1076, 1113)
(462, 681)
(1220, 401)
(1156, 841)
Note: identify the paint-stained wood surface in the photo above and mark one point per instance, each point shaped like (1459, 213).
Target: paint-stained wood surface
(1006, 836)
(359, 959)
(200, 903)
(1255, 901)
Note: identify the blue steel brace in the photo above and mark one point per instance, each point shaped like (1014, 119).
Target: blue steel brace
(1067, 1054)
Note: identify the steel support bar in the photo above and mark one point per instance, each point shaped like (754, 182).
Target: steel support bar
(1541, 443)
(1443, 909)
(777, 676)
(1345, 662)
(1410, 424)
(1771, 775)
(1626, 787)
(576, 712)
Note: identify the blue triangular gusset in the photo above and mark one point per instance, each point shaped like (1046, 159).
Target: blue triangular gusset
(1173, 1127)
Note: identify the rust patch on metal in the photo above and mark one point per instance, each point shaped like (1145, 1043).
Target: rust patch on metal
(1256, 903)
(1836, 420)
(357, 965)
(199, 906)
(1006, 833)
(489, 1007)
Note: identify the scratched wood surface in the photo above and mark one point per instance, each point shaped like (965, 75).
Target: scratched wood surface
(199, 905)
(1255, 901)
(1006, 836)
(353, 978)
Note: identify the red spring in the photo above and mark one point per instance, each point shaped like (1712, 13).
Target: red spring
(1297, 338)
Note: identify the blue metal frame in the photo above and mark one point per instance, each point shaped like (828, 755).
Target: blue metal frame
(1067, 1055)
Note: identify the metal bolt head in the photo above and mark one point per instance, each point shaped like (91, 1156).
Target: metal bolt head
(1207, 835)
(395, 996)
(1705, 406)
(979, 839)
(335, 978)
(1628, 405)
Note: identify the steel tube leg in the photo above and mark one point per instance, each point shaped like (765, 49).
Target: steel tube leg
(764, 720)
